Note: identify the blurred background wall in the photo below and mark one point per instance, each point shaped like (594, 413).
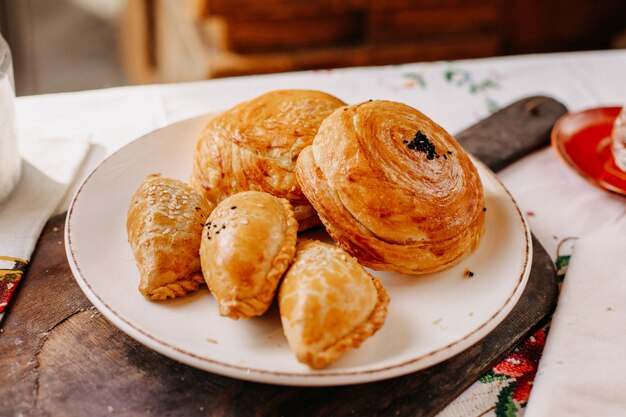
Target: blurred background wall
(67, 45)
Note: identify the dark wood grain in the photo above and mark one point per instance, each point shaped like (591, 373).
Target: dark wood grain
(61, 357)
(513, 132)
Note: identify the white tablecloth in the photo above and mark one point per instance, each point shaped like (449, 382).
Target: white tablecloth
(455, 94)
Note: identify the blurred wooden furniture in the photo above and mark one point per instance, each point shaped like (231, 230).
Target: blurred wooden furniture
(174, 40)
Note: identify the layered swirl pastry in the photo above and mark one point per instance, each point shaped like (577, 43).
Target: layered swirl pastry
(393, 188)
(254, 146)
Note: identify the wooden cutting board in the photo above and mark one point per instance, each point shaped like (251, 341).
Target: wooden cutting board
(61, 357)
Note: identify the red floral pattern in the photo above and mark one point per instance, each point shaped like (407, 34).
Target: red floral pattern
(522, 365)
(9, 279)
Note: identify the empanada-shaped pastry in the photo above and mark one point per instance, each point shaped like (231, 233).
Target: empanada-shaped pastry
(248, 243)
(164, 226)
(254, 146)
(393, 188)
(328, 304)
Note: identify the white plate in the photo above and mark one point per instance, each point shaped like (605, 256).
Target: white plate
(430, 319)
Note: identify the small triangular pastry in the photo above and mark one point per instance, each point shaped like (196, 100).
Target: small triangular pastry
(248, 243)
(328, 304)
(164, 225)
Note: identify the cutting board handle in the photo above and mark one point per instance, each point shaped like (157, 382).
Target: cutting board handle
(513, 132)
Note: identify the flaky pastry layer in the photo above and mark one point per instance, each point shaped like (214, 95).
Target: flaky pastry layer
(329, 304)
(254, 146)
(393, 188)
(164, 226)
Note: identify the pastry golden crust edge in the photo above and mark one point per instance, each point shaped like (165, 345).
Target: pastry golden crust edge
(260, 302)
(178, 288)
(147, 261)
(354, 339)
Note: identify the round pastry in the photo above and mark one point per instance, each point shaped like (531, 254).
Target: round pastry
(254, 146)
(164, 226)
(393, 188)
(249, 240)
(328, 304)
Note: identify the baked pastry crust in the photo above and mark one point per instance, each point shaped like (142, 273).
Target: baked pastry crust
(329, 304)
(164, 226)
(393, 188)
(254, 146)
(248, 242)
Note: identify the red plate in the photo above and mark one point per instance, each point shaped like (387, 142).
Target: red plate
(583, 141)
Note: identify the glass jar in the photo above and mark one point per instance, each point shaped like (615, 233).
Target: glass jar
(10, 160)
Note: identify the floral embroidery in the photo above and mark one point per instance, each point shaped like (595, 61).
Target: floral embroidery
(519, 368)
(413, 79)
(462, 78)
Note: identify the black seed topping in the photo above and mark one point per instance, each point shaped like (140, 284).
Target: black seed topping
(421, 143)
(233, 207)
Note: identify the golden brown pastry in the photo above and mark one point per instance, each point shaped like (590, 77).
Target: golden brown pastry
(164, 226)
(393, 188)
(328, 304)
(248, 243)
(254, 146)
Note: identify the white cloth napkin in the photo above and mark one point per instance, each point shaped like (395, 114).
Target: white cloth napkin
(49, 167)
(583, 368)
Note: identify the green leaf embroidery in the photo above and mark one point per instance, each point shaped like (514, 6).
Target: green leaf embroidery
(489, 377)
(505, 406)
(418, 78)
(464, 78)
